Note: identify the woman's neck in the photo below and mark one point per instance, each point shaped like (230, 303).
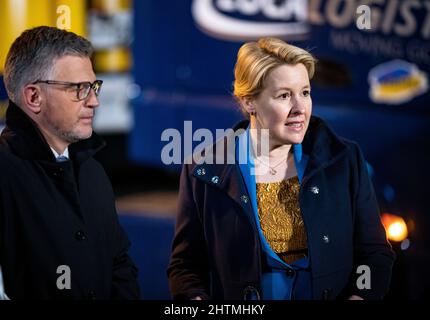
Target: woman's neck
(264, 146)
(273, 162)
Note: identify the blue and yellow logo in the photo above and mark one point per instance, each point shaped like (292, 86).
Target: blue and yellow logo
(396, 82)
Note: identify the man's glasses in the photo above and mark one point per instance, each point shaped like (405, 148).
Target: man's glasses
(82, 88)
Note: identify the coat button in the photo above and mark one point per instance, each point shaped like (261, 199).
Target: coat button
(58, 172)
(290, 273)
(326, 239)
(315, 190)
(326, 294)
(80, 235)
(92, 295)
(215, 179)
(244, 198)
(251, 293)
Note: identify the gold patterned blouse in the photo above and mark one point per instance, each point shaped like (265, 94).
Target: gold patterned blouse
(281, 220)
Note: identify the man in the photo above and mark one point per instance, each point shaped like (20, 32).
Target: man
(59, 232)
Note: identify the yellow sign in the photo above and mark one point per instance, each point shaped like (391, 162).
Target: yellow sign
(19, 15)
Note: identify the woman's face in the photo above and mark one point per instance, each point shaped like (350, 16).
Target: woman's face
(284, 106)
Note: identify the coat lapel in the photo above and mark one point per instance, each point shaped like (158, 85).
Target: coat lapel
(224, 176)
(321, 146)
(220, 168)
(26, 140)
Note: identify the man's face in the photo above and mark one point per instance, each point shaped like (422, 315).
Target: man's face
(62, 117)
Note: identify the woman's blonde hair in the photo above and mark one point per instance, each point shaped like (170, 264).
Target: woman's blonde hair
(256, 59)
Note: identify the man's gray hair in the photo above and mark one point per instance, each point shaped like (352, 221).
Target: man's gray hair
(33, 54)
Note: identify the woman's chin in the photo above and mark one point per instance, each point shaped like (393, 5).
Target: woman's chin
(295, 141)
(287, 141)
(293, 138)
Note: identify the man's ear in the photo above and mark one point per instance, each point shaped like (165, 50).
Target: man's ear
(32, 98)
(249, 104)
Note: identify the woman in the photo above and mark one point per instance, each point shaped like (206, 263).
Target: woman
(297, 222)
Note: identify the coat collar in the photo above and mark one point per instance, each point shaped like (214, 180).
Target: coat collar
(321, 146)
(25, 139)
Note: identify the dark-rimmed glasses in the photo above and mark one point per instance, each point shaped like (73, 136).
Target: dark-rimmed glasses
(82, 88)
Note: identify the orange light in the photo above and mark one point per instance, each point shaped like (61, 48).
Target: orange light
(395, 227)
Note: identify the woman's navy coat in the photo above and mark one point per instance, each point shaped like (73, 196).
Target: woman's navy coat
(216, 251)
